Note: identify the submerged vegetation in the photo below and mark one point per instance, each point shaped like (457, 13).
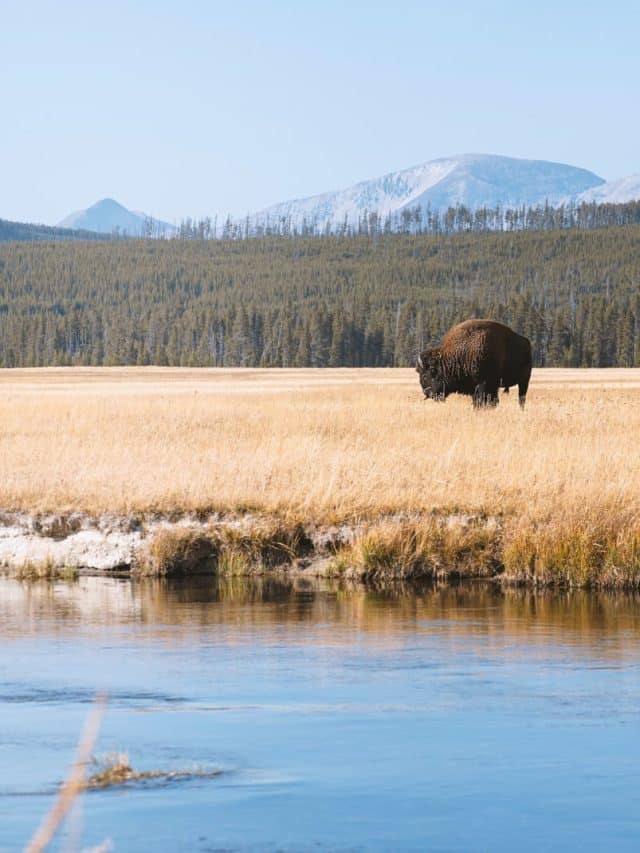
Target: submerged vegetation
(114, 769)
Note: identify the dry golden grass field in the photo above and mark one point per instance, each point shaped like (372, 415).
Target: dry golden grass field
(323, 443)
(328, 445)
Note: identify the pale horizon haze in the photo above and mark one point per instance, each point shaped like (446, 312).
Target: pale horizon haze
(199, 108)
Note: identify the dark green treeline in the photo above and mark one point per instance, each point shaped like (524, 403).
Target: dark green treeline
(318, 301)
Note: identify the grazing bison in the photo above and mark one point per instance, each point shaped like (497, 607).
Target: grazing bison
(476, 357)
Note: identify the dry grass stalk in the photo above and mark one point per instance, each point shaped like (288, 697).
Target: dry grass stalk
(74, 785)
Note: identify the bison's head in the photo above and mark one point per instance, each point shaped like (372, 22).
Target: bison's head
(431, 372)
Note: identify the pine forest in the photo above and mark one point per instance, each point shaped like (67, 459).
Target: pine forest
(364, 297)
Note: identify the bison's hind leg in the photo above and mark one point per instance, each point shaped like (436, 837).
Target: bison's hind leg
(523, 386)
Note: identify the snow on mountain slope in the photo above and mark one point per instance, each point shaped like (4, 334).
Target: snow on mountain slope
(475, 180)
(614, 192)
(386, 194)
(108, 216)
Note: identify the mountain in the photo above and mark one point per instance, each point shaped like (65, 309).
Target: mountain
(475, 180)
(109, 216)
(614, 192)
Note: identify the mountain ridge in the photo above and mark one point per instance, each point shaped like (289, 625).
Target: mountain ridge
(472, 180)
(475, 180)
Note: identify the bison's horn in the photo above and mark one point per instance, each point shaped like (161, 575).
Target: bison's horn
(420, 364)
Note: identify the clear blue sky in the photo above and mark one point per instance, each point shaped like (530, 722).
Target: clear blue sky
(191, 108)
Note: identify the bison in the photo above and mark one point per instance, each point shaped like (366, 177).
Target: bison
(477, 358)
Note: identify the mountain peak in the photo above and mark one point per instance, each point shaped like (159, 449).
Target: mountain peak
(106, 203)
(108, 216)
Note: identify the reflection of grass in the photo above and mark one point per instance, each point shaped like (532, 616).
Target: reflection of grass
(114, 769)
(36, 570)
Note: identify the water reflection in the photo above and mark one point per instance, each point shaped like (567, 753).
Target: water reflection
(343, 717)
(174, 610)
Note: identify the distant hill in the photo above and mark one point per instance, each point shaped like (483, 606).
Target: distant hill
(473, 180)
(619, 191)
(108, 216)
(26, 231)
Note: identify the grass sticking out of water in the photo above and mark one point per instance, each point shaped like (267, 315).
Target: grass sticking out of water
(48, 570)
(115, 769)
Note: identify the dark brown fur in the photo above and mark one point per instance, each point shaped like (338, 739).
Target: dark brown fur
(477, 358)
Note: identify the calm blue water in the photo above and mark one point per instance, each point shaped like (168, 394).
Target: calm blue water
(433, 719)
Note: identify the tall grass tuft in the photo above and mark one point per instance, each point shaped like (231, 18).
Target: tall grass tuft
(178, 550)
(572, 550)
(268, 542)
(429, 547)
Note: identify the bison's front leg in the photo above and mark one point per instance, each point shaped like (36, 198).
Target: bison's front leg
(485, 394)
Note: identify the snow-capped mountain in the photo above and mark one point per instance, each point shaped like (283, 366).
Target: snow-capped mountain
(475, 180)
(107, 216)
(614, 192)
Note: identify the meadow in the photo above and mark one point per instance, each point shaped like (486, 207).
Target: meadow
(551, 493)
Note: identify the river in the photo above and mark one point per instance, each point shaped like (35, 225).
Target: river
(340, 718)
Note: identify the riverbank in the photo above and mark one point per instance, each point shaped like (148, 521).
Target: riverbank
(437, 547)
(344, 472)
